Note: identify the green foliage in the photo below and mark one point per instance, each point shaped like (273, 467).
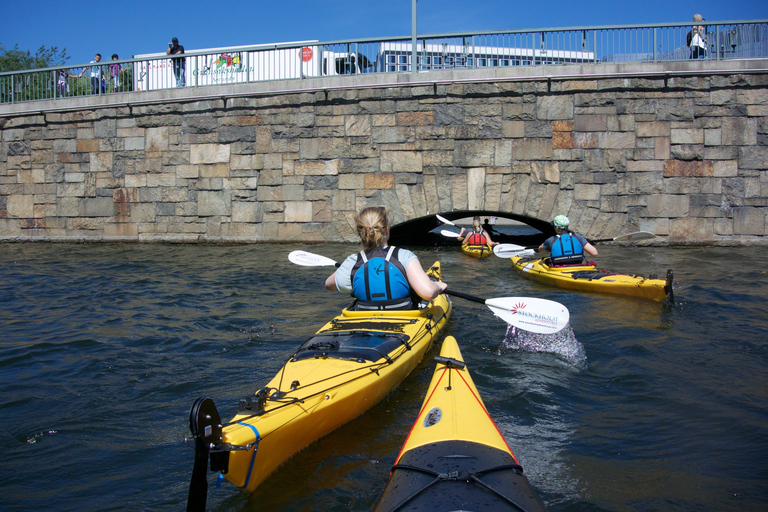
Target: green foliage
(17, 60)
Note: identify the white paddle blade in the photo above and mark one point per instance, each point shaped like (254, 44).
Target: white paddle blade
(531, 314)
(449, 234)
(444, 220)
(637, 235)
(309, 259)
(509, 250)
(512, 254)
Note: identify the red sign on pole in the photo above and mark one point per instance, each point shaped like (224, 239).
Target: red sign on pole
(306, 54)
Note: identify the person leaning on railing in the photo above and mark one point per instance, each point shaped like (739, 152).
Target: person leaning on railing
(698, 42)
(96, 78)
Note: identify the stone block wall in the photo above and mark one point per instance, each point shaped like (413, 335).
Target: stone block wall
(682, 155)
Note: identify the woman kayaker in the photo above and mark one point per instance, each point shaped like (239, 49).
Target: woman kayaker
(381, 276)
(479, 236)
(567, 247)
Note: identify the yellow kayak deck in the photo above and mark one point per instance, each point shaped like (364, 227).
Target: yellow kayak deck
(455, 457)
(477, 251)
(590, 278)
(348, 366)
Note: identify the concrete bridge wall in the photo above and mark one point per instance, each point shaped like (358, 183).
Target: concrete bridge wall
(679, 149)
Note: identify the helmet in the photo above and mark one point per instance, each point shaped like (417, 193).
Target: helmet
(561, 221)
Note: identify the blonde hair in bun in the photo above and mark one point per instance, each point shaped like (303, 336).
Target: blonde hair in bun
(371, 225)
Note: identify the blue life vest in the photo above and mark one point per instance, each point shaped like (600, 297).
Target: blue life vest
(567, 250)
(379, 280)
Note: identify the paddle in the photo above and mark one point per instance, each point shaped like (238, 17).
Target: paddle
(511, 250)
(528, 313)
(444, 220)
(629, 237)
(449, 234)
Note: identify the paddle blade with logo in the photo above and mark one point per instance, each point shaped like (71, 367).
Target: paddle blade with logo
(530, 314)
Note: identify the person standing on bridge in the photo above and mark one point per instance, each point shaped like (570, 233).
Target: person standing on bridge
(567, 247)
(97, 80)
(179, 62)
(698, 42)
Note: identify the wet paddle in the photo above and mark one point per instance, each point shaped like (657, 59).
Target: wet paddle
(527, 313)
(629, 237)
(444, 220)
(511, 250)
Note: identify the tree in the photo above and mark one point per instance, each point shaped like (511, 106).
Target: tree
(17, 60)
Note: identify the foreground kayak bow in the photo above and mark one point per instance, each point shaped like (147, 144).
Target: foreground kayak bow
(455, 458)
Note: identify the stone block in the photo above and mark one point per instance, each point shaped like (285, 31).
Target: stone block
(209, 153)
(513, 129)
(616, 140)
(682, 168)
(692, 231)
(748, 221)
(563, 140)
(529, 149)
(590, 123)
(214, 202)
(670, 206)
(585, 192)
(713, 137)
(415, 118)
(739, 131)
(379, 181)
(661, 148)
(87, 145)
(545, 172)
(322, 211)
(554, 107)
(687, 136)
(98, 207)
(134, 143)
(166, 179)
(401, 162)
(20, 206)
(725, 168)
(214, 170)
(653, 129)
(298, 211)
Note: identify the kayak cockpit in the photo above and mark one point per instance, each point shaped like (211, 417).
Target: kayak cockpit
(358, 346)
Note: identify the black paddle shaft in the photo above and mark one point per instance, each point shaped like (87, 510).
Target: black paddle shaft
(467, 296)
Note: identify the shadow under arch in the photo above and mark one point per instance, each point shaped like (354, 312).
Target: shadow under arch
(425, 231)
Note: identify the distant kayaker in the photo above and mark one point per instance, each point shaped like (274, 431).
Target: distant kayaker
(382, 276)
(479, 236)
(567, 247)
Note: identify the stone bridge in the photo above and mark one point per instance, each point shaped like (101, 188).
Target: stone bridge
(679, 149)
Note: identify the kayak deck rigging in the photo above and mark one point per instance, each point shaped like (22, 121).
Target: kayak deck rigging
(347, 366)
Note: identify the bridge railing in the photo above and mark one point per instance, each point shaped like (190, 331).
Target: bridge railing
(310, 59)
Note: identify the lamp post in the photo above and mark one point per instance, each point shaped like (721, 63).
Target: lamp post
(414, 63)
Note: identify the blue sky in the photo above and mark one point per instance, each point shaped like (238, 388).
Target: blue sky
(132, 27)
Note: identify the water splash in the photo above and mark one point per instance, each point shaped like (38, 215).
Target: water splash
(562, 344)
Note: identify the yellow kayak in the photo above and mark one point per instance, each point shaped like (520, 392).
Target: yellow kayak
(590, 278)
(455, 458)
(477, 251)
(348, 366)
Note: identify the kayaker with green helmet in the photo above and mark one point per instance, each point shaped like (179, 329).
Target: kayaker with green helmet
(567, 247)
(382, 277)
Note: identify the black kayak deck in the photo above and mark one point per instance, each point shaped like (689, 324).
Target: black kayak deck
(458, 475)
